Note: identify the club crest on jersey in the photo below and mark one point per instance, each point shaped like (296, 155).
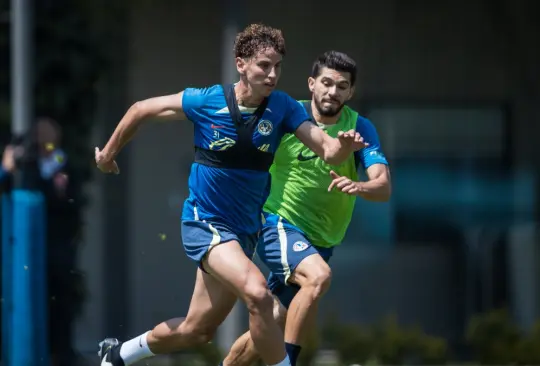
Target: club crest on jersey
(299, 246)
(265, 127)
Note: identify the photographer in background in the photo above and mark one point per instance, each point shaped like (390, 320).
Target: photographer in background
(65, 284)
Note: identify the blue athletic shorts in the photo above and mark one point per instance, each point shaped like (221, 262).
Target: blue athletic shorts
(199, 237)
(282, 246)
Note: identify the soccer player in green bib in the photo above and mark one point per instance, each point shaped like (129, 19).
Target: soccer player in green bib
(310, 205)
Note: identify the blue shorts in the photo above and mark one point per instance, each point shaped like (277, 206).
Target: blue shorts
(282, 246)
(199, 237)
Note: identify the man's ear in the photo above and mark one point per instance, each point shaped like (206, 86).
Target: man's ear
(311, 84)
(240, 65)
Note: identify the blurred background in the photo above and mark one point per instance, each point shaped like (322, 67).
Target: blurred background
(447, 272)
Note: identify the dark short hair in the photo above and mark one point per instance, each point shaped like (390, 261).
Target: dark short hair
(257, 37)
(336, 61)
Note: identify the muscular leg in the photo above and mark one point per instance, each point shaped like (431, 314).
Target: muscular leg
(243, 351)
(313, 275)
(230, 265)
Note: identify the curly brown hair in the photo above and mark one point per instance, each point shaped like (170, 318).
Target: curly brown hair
(258, 37)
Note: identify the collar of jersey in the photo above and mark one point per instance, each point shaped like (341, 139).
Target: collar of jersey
(243, 109)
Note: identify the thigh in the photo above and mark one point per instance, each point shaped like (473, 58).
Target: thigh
(229, 264)
(210, 304)
(201, 237)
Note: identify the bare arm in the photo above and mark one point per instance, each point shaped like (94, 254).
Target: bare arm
(377, 188)
(164, 108)
(333, 151)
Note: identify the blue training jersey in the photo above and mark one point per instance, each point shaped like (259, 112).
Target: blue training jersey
(233, 197)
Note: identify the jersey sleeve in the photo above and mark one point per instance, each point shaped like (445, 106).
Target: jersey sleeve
(193, 101)
(373, 153)
(295, 115)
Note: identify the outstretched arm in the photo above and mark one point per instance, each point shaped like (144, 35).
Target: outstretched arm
(333, 151)
(164, 108)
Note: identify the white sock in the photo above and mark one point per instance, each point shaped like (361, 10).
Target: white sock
(135, 349)
(285, 362)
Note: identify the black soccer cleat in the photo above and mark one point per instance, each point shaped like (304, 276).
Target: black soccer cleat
(109, 352)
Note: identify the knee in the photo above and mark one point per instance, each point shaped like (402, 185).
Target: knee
(318, 281)
(258, 298)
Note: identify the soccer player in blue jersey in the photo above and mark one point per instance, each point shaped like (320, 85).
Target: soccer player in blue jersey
(237, 131)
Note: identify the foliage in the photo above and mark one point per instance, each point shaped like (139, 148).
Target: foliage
(493, 337)
(496, 340)
(384, 343)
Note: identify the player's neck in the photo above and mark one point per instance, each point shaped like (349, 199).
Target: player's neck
(245, 96)
(325, 120)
